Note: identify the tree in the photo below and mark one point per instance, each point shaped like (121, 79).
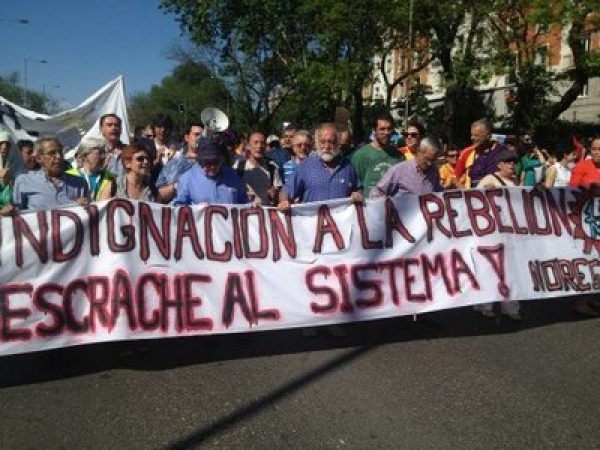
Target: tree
(183, 95)
(540, 93)
(462, 43)
(12, 91)
(314, 54)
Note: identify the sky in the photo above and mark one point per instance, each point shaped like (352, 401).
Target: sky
(86, 44)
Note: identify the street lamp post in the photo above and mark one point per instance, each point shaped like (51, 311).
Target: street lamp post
(25, 60)
(409, 61)
(44, 86)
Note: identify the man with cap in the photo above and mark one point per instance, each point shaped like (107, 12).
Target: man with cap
(505, 176)
(277, 153)
(210, 181)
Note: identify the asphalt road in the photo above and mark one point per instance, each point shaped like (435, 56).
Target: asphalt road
(452, 380)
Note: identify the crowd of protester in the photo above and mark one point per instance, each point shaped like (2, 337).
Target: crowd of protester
(300, 167)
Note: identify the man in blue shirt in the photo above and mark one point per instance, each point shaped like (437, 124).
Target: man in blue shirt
(210, 181)
(179, 164)
(324, 175)
(50, 187)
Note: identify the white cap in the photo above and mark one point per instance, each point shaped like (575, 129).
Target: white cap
(5, 136)
(272, 138)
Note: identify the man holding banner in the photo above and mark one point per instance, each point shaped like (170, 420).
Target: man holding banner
(210, 181)
(50, 187)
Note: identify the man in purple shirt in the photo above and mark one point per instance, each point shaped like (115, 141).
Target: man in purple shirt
(324, 175)
(416, 176)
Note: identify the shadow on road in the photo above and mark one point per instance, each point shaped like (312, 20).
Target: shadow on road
(163, 354)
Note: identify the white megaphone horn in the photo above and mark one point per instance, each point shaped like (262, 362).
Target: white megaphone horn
(214, 120)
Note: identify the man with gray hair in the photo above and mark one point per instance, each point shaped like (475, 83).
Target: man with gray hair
(414, 176)
(324, 175)
(50, 187)
(479, 159)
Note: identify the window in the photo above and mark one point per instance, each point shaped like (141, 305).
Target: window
(541, 28)
(542, 55)
(585, 91)
(586, 42)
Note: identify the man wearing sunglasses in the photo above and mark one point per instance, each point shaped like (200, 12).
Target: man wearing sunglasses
(210, 181)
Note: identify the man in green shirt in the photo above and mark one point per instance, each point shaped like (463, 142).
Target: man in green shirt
(373, 160)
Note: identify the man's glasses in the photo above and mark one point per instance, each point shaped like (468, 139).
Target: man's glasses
(412, 135)
(452, 155)
(141, 158)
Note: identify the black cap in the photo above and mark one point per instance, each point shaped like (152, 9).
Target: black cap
(507, 155)
(209, 150)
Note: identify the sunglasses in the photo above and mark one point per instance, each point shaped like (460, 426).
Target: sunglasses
(452, 155)
(412, 135)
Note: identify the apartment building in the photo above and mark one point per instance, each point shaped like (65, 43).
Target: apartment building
(552, 51)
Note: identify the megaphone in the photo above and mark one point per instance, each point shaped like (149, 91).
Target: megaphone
(214, 120)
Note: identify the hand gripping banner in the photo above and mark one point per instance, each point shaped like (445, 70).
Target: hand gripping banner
(123, 269)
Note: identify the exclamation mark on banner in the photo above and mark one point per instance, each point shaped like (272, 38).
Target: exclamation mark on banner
(496, 257)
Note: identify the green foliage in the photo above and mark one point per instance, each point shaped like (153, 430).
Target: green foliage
(10, 89)
(314, 54)
(296, 60)
(36, 101)
(183, 95)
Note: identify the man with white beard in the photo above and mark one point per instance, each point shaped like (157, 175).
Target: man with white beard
(325, 175)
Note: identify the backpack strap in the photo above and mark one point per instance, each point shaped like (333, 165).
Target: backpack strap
(500, 180)
(240, 168)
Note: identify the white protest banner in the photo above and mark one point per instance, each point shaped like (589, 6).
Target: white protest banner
(131, 270)
(72, 125)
